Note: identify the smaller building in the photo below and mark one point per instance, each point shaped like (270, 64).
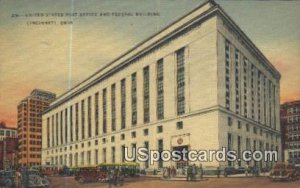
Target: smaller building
(7, 131)
(8, 152)
(290, 127)
(30, 126)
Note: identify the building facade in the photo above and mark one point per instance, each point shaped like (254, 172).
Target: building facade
(30, 126)
(199, 83)
(8, 153)
(290, 125)
(8, 146)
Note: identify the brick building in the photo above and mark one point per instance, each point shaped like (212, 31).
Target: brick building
(30, 126)
(290, 126)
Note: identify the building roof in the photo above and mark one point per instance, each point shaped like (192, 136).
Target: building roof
(200, 13)
(290, 103)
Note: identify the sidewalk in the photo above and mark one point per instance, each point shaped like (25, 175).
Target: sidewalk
(205, 177)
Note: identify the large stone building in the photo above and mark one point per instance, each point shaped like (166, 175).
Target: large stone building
(199, 83)
(30, 126)
(290, 125)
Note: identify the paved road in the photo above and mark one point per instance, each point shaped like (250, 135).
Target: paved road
(69, 182)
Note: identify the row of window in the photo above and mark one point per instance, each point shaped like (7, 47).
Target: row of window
(260, 97)
(86, 156)
(294, 119)
(235, 143)
(247, 126)
(159, 129)
(56, 124)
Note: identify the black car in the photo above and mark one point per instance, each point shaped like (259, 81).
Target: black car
(233, 171)
(7, 178)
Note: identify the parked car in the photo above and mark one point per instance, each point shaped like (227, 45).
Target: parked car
(284, 172)
(232, 170)
(36, 181)
(7, 178)
(90, 174)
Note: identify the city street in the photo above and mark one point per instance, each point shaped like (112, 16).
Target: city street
(143, 182)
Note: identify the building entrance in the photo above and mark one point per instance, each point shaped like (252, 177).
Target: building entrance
(181, 164)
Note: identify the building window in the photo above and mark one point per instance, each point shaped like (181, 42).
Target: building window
(113, 107)
(229, 121)
(104, 128)
(133, 134)
(71, 160)
(259, 96)
(160, 89)
(56, 128)
(247, 128)
(112, 139)
(227, 74)
(96, 157)
(97, 114)
(76, 159)
(237, 82)
(179, 125)
(113, 154)
(48, 132)
(146, 145)
(146, 132)
(254, 130)
(159, 129)
(122, 136)
(82, 158)
(123, 153)
(52, 131)
(66, 125)
(71, 123)
(229, 146)
(89, 157)
(96, 142)
(239, 125)
(133, 100)
(133, 146)
(123, 104)
(180, 82)
(89, 117)
(146, 95)
(76, 122)
(103, 140)
(82, 119)
(160, 150)
(245, 87)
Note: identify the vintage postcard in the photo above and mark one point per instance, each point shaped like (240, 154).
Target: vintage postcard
(162, 93)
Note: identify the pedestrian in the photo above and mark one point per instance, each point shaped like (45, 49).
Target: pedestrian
(218, 172)
(173, 172)
(189, 173)
(194, 172)
(201, 171)
(246, 169)
(110, 177)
